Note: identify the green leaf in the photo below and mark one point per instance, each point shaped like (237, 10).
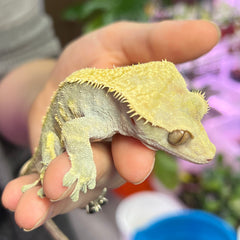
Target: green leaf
(131, 10)
(97, 13)
(214, 184)
(95, 23)
(70, 14)
(212, 205)
(83, 11)
(167, 2)
(234, 206)
(166, 169)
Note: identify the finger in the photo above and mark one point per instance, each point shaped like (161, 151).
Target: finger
(132, 159)
(126, 43)
(32, 210)
(53, 179)
(176, 41)
(12, 192)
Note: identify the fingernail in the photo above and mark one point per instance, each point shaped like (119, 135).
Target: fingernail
(217, 28)
(64, 195)
(42, 220)
(137, 183)
(148, 174)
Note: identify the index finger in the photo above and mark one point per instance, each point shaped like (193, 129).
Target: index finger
(126, 43)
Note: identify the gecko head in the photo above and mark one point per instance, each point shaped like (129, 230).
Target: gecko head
(189, 144)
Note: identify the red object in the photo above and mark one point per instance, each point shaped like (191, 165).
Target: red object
(228, 30)
(129, 188)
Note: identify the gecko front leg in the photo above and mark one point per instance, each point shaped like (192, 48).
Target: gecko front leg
(50, 147)
(75, 135)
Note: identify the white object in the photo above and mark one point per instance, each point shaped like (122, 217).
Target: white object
(141, 209)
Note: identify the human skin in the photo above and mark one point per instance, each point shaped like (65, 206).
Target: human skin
(125, 159)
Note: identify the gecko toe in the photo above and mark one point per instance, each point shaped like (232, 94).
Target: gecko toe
(82, 184)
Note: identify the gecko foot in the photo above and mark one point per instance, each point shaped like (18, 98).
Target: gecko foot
(40, 193)
(96, 205)
(82, 184)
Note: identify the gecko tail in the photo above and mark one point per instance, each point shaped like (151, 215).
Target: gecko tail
(25, 168)
(29, 186)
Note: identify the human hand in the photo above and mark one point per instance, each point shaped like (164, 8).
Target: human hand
(126, 159)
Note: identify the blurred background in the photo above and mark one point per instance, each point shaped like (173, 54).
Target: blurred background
(217, 188)
(74, 17)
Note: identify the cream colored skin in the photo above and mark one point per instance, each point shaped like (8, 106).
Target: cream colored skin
(197, 149)
(149, 102)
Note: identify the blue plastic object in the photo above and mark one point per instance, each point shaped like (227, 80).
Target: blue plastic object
(188, 225)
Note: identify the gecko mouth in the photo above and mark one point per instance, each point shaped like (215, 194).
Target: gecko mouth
(156, 147)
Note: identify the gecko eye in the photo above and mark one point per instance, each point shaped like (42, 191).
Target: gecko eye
(178, 137)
